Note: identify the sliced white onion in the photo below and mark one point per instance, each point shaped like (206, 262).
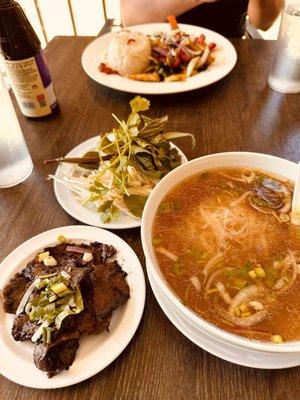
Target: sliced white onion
(203, 58)
(211, 263)
(191, 66)
(243, 296)
(26, 295)
(167, 253)
(257, 305)
(239, 199)
(223, 292)
(39, 332)
(247, 321)
(279, 284)
(195, 282)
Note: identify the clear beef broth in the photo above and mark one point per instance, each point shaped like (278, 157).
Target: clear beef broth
(222, 240)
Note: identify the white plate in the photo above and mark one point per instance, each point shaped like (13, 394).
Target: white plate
(95, 352)
(225, 59)
(247, 358)
(89, 215)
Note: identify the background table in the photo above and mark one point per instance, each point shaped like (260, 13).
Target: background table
(237, 113)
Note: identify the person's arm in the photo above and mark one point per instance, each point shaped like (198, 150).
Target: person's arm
(144, 11)
(262, 13)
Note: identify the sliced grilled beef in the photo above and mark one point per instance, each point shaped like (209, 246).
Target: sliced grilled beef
(86, 323)
(22, 328)
(57, 356)
(102, 252)
(103, 288)
(13, 292)
(110, 288)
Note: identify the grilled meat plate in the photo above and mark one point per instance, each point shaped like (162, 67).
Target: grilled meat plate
(65, 292)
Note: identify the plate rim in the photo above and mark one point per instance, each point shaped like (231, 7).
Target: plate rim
(171, 89)
(136, 223)
(19, 255)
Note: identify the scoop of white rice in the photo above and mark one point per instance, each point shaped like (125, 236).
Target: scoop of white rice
(128, 52)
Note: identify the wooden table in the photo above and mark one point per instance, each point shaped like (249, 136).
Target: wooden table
(238, 113)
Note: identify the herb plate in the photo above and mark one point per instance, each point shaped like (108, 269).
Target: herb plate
(95, 352)
(225, 55)
(88, 214)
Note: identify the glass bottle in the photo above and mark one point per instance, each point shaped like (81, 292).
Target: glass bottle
(25, 63)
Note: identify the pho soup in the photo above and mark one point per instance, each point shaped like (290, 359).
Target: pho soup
(222, 240)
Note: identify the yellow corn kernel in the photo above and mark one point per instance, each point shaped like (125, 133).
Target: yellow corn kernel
(277, 339)
(252, 274)
(246, 314)
(260, 272)
(237, 312)
(209, 291)
(243, 307)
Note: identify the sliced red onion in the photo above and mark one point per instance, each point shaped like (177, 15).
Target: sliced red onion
(160, 50)
(78, 249)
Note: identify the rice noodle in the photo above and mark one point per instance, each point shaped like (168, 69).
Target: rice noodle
(239, 199)
(231, 177)
(243, 296)
(212, 263)
(167, 253)
(223, 292)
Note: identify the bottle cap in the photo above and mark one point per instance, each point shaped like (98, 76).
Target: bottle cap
(6, 2)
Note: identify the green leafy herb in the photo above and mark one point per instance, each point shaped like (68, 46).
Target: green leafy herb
(177, 268)
(109, 212)
(129, 161)
(198, 254)
(157, 241)
(135, 204)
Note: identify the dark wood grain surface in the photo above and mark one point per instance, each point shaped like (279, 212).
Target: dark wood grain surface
(238, 113)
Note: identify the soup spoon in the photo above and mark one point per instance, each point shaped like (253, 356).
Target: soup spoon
(295, 214)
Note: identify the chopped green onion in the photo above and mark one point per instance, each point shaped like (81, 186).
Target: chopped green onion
(61, 239)
(59, 288)
(157, 241)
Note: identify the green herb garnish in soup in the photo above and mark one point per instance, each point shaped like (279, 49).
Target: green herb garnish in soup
(222, 241)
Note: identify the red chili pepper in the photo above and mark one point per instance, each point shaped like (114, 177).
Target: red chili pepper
(201, 39)
(184, 57)
(211, 46)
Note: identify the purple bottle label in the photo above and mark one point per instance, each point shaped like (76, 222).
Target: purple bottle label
(32, 85)
(43, 69)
